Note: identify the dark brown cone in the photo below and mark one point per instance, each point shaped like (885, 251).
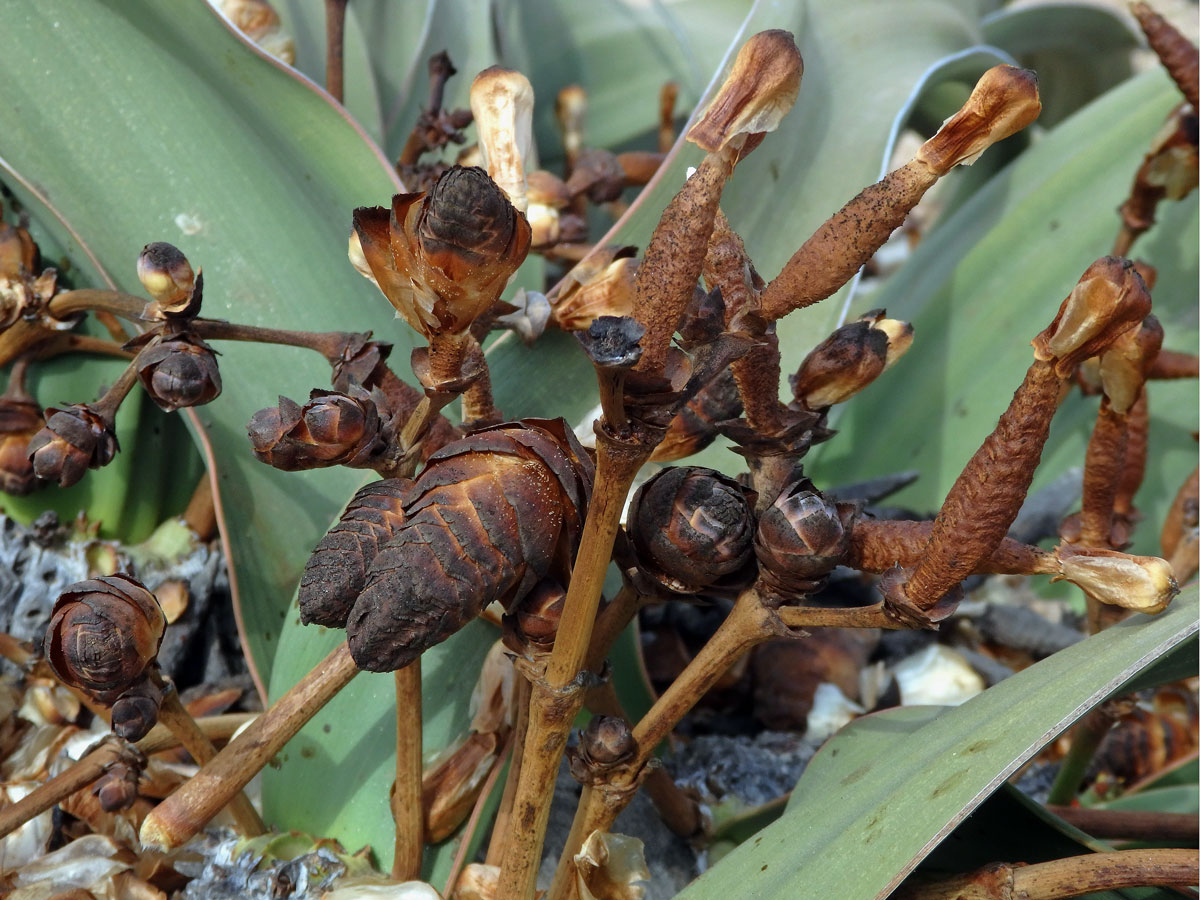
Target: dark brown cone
(335, 573)
(332, 429)
(74, 440)
(849, 360)
(118, 787)
(19, 422)
(135, 712)
(103, 635)
(605, 744)
(533, 624)
(362, 362)
(801, 537)
(179, 372)
(491, 515)
(692, 527)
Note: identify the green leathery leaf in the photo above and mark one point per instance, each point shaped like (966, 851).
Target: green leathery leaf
(990, 277)
(888, 803)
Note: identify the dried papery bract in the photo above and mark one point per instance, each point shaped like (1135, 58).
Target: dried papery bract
(850, 359)
(1004, 101)
(695, 426)
(755, 96)
(1169, 170)
(984, 500)
(502, 103)
(600, 285)
(1141, 583)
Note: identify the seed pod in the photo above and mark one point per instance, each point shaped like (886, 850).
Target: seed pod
(20, 420)
(179, 372)
(600, 285)
(103, 634)
(695, 426)
(337, 569)
(850, 359)
(443, 257)
(168, 277)
(605, 744)
(74, 440)
(332, 429)
(490, 516)
(135, 712)
(801, 537)
(691, 528)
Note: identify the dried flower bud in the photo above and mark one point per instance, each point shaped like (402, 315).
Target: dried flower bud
(18, 252)
(605, 744)
(103, 634)
(756, 95)
(331, 429)
(20, 420)
(502, 103)
(135, 712)
(1109, 299)
(167, 276)
(691, 528)
(74, 440)
(600, 285)
(850, 359)
(443, 257)
(534, 622)
(118, 787)
(1004, 101)
(180, 371)
(491, 515)
(1142, 583)
(337, 569)
(362, 362)
(598, 175)
(801, 537)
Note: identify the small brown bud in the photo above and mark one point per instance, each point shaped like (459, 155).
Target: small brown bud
(443, 257)
(362, 362)
(117, 789)
(534, 623)
(332, 429)
(1142, 583)
(801, 537)
(1004, 101)
(135, 712)
(179, 372)
(337, 569)
(691, 528)
(756, 95)
(1109, 299)
(103, 634)
(20, 420)
(598, 175)
(605, 744)
(600, 285)
(695, 426)
(502, 103)
(168, 277)
(74, 440)
(850, 359)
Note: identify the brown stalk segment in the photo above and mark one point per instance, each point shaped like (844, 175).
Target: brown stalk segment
(1101, 476)
(669, 271)
(407, 811)
(728, 267)
(1174, 364)
(843, 244)
(1137, 431)
(877, 545)
(639, 166)
(1179, 55)
(986, 497)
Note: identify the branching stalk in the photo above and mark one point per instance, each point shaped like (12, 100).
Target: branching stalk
(406, 791)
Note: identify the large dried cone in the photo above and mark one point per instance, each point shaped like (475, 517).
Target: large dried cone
(801, 537)
(443, 257)
(850, 359)
(691, 528)
(337, 569)
(20, 420)
(1141, 583)
(179, 372)
(490, 516)
(74, 440)
(103, 635)
(331, 429)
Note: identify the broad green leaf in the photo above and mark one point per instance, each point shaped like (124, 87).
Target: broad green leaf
(1182, 798)
(990, 277)
(902, 792)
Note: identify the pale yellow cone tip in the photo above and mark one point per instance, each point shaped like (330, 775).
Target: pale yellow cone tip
(1004, 101)
(757, 94)
(502, 104)
(1141, 583)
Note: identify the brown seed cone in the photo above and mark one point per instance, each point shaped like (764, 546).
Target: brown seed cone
(691, 528)
(695, 426)
(20, 420)
(443, 257)
(801, 537)
(533, 624)
(179, 372)
(103, 634)
(490, 516)
(606, 744)
(1179, 55)
(74, 440)
(135, 712)
(362, 362)
(850, 359)
(332, 429)
(877, 545)
(985, 499)
(337, 569)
